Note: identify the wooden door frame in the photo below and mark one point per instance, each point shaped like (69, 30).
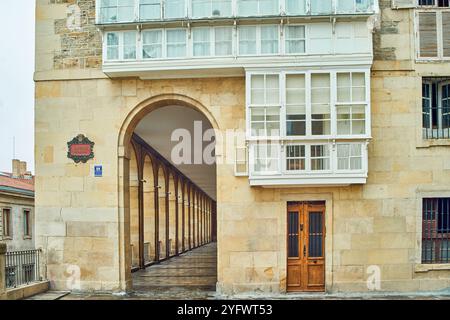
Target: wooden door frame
(328, 199)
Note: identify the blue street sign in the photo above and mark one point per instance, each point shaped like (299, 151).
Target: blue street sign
(98, 171)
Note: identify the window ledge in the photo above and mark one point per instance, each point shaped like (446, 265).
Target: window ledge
(433, 143)
(7, 238)
(27, 237)
(418, 268)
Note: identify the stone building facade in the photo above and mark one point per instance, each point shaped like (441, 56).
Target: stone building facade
(90, 80)
(17, 208)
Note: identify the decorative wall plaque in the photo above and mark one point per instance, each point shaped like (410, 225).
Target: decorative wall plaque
(81, 149)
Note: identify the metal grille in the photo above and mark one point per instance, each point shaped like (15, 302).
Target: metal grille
(22, 267)
(293, 234)
(436, 108)
(315, 235)
(436, 230)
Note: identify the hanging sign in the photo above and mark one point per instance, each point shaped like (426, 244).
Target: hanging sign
(81, 149)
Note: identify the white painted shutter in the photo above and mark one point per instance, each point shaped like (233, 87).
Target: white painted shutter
(446, 33)
(404, 4)
(428, 46)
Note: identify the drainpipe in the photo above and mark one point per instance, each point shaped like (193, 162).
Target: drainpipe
(2, 271)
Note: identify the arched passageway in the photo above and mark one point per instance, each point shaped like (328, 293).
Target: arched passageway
(171, 201)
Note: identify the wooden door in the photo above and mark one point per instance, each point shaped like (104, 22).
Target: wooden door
(306, 246)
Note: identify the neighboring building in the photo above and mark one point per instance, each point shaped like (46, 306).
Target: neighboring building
(17, 208)
(341, 182)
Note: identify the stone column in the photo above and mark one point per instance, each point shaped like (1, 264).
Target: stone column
(2, 271)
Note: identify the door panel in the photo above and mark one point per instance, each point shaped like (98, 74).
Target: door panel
(305, 245)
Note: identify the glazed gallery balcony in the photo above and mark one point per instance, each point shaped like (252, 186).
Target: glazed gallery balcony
(130, 11)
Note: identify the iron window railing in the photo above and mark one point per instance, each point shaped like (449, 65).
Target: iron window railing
(22, 267)
(436, 230)
(436, 108)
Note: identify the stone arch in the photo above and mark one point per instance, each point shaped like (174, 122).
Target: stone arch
(127, 128)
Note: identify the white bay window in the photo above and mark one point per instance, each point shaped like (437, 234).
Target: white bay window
(321, 123)
(201, 42)
(295, 39)
(174, 9)
(150, 9)
(223, 41)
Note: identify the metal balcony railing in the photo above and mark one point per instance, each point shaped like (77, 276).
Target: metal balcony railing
(22, 267)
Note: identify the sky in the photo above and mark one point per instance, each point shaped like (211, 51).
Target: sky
(16, 82)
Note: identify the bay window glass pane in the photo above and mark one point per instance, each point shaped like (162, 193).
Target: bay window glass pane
(223, 41)
(269, 7)
(295, 39)
(343, 87)
(295, 158)
(201, 42)
(273, 121)
(152, 44)
(266, 158)
(129, 45)
(221, 8)
(150, 9)
(257, 89)
(112, 43)
(211, 8)
(349, 156)
(247, 40)
(363, 5)
(351, 120)
(295, 105)
(176, 43)
(265, 121)
(320, 104)
(358, 87)
(358, 119)
(247, 7)
(269, 39)
(174, 9)
(346, 6)
(296, 7)
(320, 157)
(126, 10)
(272, 89)
(321, 7)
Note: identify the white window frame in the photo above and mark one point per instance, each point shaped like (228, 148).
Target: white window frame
(440, 45)
(187, 43)
(435, 5)
(310, 158)
(259, 41)
(212, 42)
(191, 15)
(286, 158)
(163, 46)
(363, 157)
(253, 160)
(258, 9)
(274, 105)
(238, 161)
(285, 40)
(121, 46)
(431, 132)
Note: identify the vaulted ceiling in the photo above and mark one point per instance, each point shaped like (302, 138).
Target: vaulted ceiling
(157, 128)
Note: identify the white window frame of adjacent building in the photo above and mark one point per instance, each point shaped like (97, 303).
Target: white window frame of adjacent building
(435, 102)
(334, 104)
(120, 46)
(442, 52)
(258, 40)
(434, 3)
